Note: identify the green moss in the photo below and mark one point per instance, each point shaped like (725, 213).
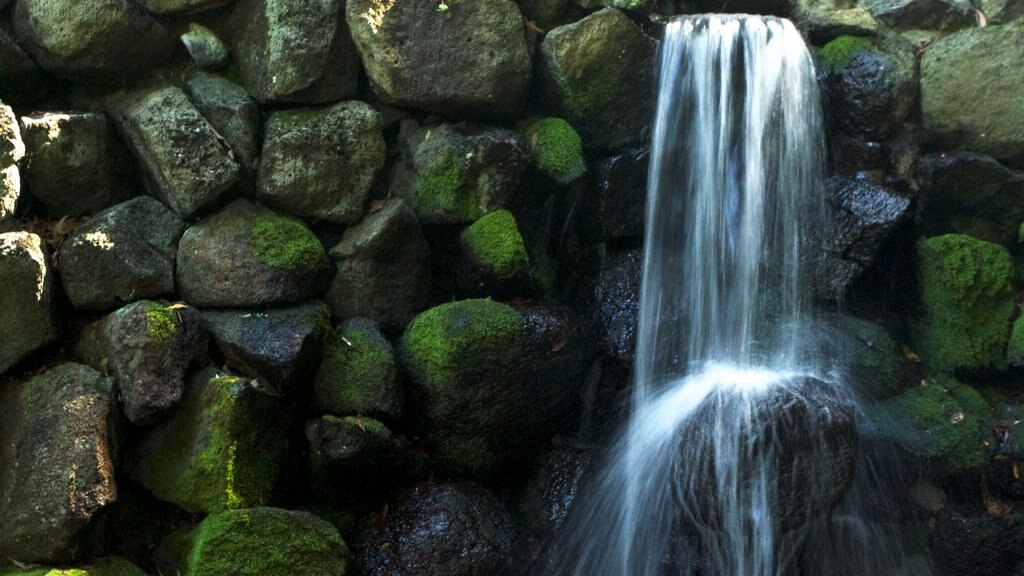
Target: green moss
(967, 298)
(444, 186)
(263, 541)
(495, 247)
(557, 149)
(285, 243)
(162, 321)
(594, 87)
(357, 374)
(111, 566)
(1015, 349)
(838, 53)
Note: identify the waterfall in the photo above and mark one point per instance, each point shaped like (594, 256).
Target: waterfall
(741, 440)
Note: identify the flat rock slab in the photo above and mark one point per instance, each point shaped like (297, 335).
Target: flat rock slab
(246, 255)
(321, 163)
(122, 254)
(56, 462)
(26, 297)
(186, 164)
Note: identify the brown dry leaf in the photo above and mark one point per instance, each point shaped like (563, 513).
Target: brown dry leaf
(909, 354)
(560, 343)
(993, 505)
(376, 206)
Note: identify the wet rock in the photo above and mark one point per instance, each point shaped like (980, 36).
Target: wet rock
(449, 58)
(245, 255)
(871, 88)
(490, 383)
(970, 99)
(870, 357)
(148, 347)
(774, 7)
(967, 300)
(355, 456)
(456, 529)
(295, 50)
(598, 74)
(977, 545)
(26, 297)
(494, 255)
(56, 462)
(77, 164)
(262, 541)
(864, 214)
(852, 155)
(383, 268)
(455, 175)
(122, 254)
(970, 194)
(618, 298)
(205, 48)
(185, 163)
(98, 39)
(619, 186)
(231, 112)
(803, 432)
(222, 449)
(550, 492)
(180, 6)
(358, 374)
(321, 163)
(945, 15)
(279, 347)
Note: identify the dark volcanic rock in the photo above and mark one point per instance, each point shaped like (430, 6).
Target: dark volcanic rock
(230, 111)
(943, 15)
(620, 186)
(551, 491)
(27, 292)
(618, 296)
(358, 373)
(977, 545)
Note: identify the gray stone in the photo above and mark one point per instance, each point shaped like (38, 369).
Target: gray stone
(383, 268)
(77, 164)
(456, 174)
(970, 94)
(122, 254)
(828, 24)
(295, 50)
(231, 112)
(205, 48)
(181, 6)
(774, 7)
(599, 74)
(278, 348)
(26, 297)
(10, 191)
(98, 39)
(1000, 11)
(945, 15)
(358, 374)
(448, 57)
(545, 14)
(12, 147)
(56, 462)
(321, 163)
(245, 255)
(186, 162)
(148, 347)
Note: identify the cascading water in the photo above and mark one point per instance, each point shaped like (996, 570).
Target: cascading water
(739, 443)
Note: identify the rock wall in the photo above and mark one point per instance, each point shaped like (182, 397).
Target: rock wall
(290, 261)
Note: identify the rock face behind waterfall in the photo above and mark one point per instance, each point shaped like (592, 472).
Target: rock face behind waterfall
(800, 431)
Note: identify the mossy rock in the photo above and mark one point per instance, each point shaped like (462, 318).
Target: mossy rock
(264, 541)
(495, 254)
(967, 301)
(1015, 348)
(110, 566)
(358, 373)
(556, 148)
(940, 419)
(839, 52)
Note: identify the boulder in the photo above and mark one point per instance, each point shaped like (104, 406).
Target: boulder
(17, 70)
(263, 541)
(774, 7)
(185, 161)
(277, 347)
(358, 374)
(231, 112)
(206, 49)
(121, 254)
(979, 545)
(970, 99)
(383, 268)
(619, 194)
(95, 40)
(494, 255)
(552, 489)
(970, 194)
(967, 299)
(457, 529)
(321, 163)
(1015, 347)
(599, 75)
(863, 214)
(56, 462)
(1000, 11)
(12, 147)
(943, 15)
(455, 174)
(148, 347)
(555, 149)
(10, 191)
(295, 50)
(869, 355)
(246, 255)
(222, 449)
(827, 23)
(618, 299)
(26, 297)
(163, 7)
(466, 58)
(76, 163)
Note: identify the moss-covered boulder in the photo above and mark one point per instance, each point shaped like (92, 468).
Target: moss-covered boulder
(555, 149)
(180, 6)
(869, 356)
(941, 419)
(496, 261)
(262, 542)
(358, 373)
(598, 74)
(109, 566)
(454, 175)
(27, 297)
(223, 448)
(967, 301)
(246, 255)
